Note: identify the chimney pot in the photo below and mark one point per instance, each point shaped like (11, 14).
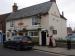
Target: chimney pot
(62, 13)
(15, 7)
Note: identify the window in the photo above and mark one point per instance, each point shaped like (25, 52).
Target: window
(11, 23)
(54, 31)
(14, 34)
(33, 33)
(8, 34)
(36, 20)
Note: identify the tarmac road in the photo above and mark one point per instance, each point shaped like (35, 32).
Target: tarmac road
(11, 52)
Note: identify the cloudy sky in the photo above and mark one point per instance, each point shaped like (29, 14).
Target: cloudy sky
(64, 5)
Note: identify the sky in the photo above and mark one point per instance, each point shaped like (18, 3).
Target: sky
(67, 6)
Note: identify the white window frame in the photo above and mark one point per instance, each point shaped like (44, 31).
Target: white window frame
(33, 31)
(36, 19)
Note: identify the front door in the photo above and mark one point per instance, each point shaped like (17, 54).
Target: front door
(43, 36)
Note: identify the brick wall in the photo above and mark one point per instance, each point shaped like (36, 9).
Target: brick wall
(3, 22)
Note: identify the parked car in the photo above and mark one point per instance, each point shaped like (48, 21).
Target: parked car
(71, 37)
(19, 43)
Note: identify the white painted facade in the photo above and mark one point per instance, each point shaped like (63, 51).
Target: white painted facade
(52, 19)
(56, 21)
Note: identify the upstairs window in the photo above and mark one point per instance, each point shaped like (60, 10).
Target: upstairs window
(12, 23)
(36, 20)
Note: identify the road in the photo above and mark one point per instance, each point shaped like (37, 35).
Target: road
(11, 52)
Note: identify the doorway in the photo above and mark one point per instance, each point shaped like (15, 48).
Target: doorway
(43, 38)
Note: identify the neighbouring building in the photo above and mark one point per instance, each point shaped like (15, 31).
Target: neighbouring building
(3, 22)
(38, 21)
(69, 30)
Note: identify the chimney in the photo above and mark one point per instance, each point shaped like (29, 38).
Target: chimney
(15, 7)
(53, 1)
(62, 13)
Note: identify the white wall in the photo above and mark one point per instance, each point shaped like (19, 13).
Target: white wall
(63, 28)
(53, 19)
(26, 22)
(58, 23)
(45, 21)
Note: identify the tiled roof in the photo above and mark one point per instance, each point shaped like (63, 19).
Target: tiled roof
(63, 17)
(4, 16)
(32, 10)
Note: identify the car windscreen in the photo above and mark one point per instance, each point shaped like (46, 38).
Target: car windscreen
(17, 38)
(26, 38)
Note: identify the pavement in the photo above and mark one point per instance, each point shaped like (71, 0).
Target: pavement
(56, 50)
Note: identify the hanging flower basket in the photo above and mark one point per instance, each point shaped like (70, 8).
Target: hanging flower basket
(24, 30)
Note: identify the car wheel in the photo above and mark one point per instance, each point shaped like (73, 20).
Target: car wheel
(18, 48)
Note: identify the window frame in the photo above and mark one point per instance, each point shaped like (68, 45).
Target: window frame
(54, 32)
(29, 33)
(36, 20)
(12, 23)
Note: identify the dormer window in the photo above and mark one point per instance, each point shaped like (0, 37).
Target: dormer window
(36, 20)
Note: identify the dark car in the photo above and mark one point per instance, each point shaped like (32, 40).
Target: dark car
(19, 43)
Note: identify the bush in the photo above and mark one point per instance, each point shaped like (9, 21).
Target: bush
(61, 40)
(35, 40)
(64, 41)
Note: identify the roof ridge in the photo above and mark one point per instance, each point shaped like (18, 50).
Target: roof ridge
(35, 5)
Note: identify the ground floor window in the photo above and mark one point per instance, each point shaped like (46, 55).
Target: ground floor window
(14, 33)
(33, 33)
(8, 34)
(54, 31)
